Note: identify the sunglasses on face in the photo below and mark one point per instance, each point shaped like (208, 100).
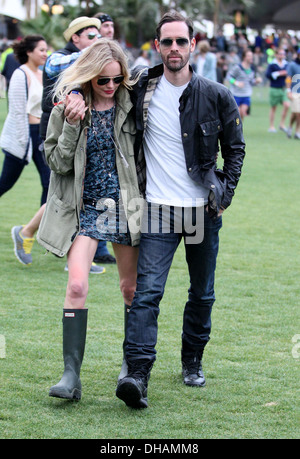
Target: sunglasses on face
(104, 80)
(92, 35)
(168, 42)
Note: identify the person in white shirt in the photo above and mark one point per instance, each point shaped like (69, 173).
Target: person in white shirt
(182, 119)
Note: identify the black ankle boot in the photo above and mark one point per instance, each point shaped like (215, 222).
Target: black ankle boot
(132, 389)
(192, 367)
(74, 335)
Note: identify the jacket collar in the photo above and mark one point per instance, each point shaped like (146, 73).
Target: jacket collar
(123, 99)
(71, 47)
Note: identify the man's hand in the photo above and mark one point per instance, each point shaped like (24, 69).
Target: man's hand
(75, 108)
(220, 211)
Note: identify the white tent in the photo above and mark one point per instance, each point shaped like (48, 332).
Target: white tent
(13, 8)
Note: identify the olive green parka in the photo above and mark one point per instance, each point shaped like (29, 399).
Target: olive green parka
(65, 150)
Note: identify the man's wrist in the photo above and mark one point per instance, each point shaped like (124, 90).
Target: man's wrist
(77, 91)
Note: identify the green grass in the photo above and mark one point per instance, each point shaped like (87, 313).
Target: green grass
(252, 376)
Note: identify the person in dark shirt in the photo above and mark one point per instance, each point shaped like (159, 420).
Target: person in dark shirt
(277, 73)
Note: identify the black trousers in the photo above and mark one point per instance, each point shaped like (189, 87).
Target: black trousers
(13, 167)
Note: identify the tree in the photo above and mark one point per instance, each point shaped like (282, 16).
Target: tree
(135, 20)
(51, 26)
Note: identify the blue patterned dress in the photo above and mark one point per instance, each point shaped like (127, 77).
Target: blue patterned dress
(103, 217)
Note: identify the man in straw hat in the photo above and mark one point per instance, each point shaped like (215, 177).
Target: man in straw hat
(81, 33)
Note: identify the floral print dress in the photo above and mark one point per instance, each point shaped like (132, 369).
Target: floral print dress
(103, 215)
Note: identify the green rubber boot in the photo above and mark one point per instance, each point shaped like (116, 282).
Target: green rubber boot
(74, 334)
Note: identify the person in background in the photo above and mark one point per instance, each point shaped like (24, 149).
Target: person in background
(107, 28)
(232, 58)
(23, 237)
(293, 86)
(206, 62)
(81, 33)
(242, 78)
(20, 139)
(277, 73)
(11, 63)
(93, 189)
(142, 59)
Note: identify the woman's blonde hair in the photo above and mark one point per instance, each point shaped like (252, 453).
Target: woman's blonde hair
(90, 64)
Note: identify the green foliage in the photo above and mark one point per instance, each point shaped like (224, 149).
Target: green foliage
(135, 20)
(252, 376)
(51, 27)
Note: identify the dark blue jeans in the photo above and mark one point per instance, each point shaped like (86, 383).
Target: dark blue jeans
(13, 167)
(155, 258)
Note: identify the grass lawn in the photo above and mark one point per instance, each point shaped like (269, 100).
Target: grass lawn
(251, 363)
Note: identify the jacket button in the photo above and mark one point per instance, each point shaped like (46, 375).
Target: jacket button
(213, 186)
(190, 169)
(185, 135)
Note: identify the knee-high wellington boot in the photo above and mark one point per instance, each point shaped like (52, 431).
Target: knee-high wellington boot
(74, 334)
(124, 368)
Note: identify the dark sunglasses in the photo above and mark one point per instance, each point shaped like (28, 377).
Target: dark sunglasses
(92, 35)
(104, 80)
(168, 42)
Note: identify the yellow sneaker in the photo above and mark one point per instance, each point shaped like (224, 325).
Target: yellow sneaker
(22, 245)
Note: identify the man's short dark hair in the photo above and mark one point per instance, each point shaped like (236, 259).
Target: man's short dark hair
(79, 32)
(174, 16)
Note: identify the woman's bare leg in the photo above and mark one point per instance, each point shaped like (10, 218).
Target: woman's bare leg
(80, 258)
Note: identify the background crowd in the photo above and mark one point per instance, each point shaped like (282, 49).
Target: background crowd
(227, 51)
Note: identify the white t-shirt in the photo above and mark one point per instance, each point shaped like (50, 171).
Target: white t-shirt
(167, 179)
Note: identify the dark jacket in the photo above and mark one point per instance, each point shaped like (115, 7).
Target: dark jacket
(209, 119)
(276, 81)
(48, 83)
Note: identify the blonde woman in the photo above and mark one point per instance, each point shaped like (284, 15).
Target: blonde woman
(93, 187)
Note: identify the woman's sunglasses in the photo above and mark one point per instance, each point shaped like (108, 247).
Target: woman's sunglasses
(104, 80)
(168, 42)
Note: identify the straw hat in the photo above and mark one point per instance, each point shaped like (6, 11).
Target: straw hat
(81, 23)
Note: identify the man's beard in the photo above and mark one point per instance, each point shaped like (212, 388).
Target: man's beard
(175, 66)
